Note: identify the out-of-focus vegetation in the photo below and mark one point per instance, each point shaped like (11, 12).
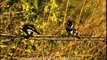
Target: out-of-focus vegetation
(49, 17)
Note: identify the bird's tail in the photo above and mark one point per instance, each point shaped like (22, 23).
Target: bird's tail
(36, 32)
(78, 37)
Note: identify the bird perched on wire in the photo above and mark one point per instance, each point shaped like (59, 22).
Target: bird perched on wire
(29, 29)
(70, 29)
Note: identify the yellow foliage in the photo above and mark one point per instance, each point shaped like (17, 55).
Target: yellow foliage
(24, 41)
(54, 4)
(70, 44)
(2, 46)
(63, 32)
(25, 7)
(75, 52)
(89, 19)
(28, 50)
(45, 9)
(58, 53)
(54, 18)
(32, 42)
(13, 46)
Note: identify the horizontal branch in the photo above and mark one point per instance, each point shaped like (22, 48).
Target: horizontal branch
(67, 39)
(57, 37)
(6, 35)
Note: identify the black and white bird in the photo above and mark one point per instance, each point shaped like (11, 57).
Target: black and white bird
(71, 30)
(29, 29)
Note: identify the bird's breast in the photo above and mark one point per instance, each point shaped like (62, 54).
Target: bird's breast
(29, 31)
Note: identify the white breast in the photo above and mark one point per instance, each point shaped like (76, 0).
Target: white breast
(29, 31)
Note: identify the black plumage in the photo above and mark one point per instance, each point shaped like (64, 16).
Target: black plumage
(29, 29)
(71, 30)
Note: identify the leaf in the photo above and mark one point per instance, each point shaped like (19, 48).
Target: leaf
(3, 46)
(24, 41)
(75, 52)
(13, 46)
(36, 4)
(25, 6)
(57, 53)
(54, 4)
(10, 54)
(46, 9)
(28, 50)
(32, 42)
(71, 44)
(22, 23)
(63, 32)
(54, 18)
(44, 24)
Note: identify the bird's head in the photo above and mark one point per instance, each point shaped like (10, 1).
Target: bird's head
(70, 23)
